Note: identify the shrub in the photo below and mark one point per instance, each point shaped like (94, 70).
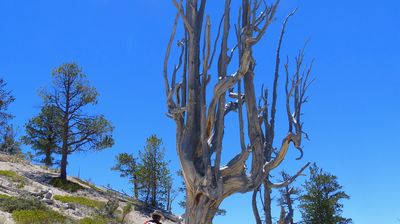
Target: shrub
(89, 184)
(65, 185)
(79, 200)
(38, 217)
(95, 220)
(125, 211)
(108, 210)
(11, 204)
(13, 176)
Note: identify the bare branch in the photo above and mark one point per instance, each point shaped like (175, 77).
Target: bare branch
(289, 180)
(179, 7)
(167, 54)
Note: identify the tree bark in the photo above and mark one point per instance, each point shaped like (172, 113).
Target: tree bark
(267, 204)
(63, 165)
(200, 124)
(47, 159)
(254, 205)
(64, 149)
(201, 210)
(64, 154)
(135, 187)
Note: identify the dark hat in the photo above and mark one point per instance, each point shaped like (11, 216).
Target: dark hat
(158, 213)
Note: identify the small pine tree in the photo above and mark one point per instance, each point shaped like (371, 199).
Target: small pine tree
(43, 133)
(6, 98)
(154, 173)
(128, 167)
(150, 175)
(9, 144)
(321, 201)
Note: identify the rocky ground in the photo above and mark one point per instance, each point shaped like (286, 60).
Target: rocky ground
(33, 181)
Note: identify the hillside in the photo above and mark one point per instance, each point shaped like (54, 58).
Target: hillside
(28, 187)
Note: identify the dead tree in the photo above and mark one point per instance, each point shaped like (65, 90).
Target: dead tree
(200, 120)
(296, 86)
(289, 194)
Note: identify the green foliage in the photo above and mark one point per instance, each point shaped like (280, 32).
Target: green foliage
(154, 175)
(108, 210)
(38, 217)
(321, 201)
(79, 131)
(125, 211)
(8, 142)
(10, 204)
(43, 133)
(152, 181)
(73, 93)
(65, 185)
(87, 183)
(6, 98)
(13, 176)
(94, 220)
(80, 200)
(128, 167)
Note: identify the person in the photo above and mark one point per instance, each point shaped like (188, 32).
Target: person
(156, 217)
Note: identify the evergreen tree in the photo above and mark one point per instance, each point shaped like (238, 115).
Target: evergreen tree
(154, 173)
(43, 133)
(6, 98)
(127, 165)
(9, 144)
(321, 201)
(79, 131)
(150, 175)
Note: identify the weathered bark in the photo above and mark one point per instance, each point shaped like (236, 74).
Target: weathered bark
(267, 204)
(295, 91)
(254, 206)
(64, 151)
(201, 210)
(65, 130)
(200, 124)
(135, 186)
(47, 158)
(63, 163)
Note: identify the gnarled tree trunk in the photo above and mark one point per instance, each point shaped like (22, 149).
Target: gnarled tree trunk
(200, 120)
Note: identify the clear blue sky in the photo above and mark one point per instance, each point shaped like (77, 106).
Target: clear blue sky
(352, 116)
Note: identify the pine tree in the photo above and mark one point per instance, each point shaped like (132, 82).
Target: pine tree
(9, 144)
(43, 133)
(321, 201)
(154, 173)
(149, 173)
(127, 165)
(80, 131)
(6, 98)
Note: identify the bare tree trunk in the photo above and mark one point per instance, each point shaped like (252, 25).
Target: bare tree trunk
(267, 204)
(254, 206)
(200, 124)
(201, 210)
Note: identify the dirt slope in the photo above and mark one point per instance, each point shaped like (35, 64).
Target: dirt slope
(33, 180)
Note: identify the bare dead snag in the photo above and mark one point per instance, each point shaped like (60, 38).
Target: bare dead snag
(200, 123)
